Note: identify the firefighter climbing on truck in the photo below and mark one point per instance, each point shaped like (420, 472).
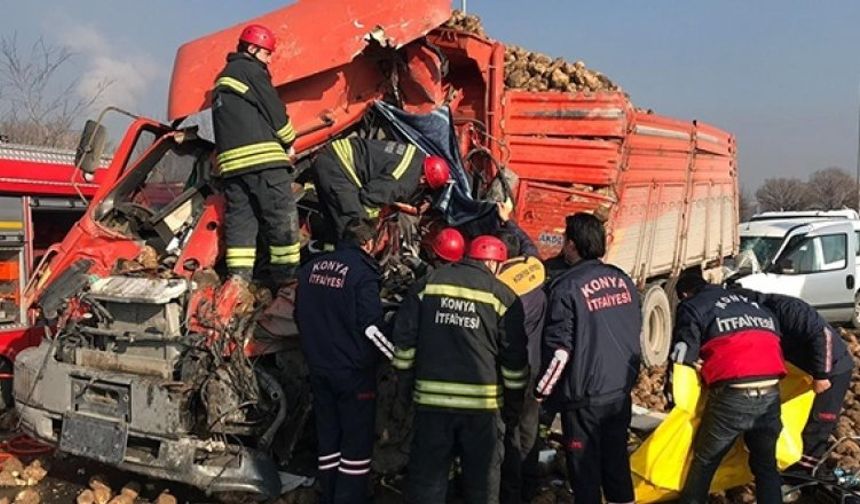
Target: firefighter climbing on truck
(355, 177)
(458, 330)
(254, 138)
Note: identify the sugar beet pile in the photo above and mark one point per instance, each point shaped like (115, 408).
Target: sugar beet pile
(534, 71)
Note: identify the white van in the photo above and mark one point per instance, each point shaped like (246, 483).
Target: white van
(845, 213)
(815, 261)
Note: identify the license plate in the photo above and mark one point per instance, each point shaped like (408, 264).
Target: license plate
(94, 438)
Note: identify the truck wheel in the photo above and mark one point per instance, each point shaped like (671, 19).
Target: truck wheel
(855, 317)
(656, 334)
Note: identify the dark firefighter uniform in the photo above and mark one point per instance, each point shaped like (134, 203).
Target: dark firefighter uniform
(738, 345)
(591, 353)
(356, 177)
(339, 314)
(814, 346)
(525, 275)
(252, 131)
(461, 332)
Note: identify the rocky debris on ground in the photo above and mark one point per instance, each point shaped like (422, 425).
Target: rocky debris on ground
(648, 391)
(100, 492)
(847, 453)
(534, 71)
(28, 496)
(14, 473)
(165, 498)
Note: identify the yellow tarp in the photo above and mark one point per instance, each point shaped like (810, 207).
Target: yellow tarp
(660, 464)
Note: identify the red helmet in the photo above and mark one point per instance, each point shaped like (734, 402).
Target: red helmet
(436, 171)
(449, 245)
(259, 36)
(488, 248)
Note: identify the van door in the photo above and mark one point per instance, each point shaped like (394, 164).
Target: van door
(820, 268)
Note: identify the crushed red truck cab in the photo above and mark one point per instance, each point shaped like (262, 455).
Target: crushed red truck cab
(151, 370)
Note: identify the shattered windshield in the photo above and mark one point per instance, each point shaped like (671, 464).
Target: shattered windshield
(174, 169)
(763, 247)
(177, 170)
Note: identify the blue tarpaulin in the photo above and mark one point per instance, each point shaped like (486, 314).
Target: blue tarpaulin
(434, 134)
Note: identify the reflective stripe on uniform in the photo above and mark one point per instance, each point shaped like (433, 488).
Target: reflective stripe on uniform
(343, 150)
(241, 257)
(458, 402)
(404, 358)
(234, 84)
(465, 293)
(404, 162)
(515, 380)
(287, 134)
(285, 254)
(464, 389)
(372, 212)
(251, 155)
(514, 384)
(514, 374)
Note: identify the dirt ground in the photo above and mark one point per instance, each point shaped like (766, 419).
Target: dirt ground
(68, 476)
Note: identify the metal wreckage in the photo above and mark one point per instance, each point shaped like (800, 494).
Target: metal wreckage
(152, 365)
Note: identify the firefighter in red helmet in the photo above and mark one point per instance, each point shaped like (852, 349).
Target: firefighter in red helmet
(254, 139)
(459, 336)
(448, 245)
(356, 177)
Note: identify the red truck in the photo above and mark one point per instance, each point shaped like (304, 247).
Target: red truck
(42, 195)
(152, 371)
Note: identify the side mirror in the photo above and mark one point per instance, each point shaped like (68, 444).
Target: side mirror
(91, 146)
(784, 266)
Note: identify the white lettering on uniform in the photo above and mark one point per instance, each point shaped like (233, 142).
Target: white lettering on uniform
(329, 273)
(595, 297)
(463, 313)
(729, 324)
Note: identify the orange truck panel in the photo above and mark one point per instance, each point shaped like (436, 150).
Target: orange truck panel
(666, 186)
(313, 37)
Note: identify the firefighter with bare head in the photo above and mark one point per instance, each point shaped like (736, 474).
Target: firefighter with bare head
(339, 315)
(592, 353)
(734, 343)
(254, 138)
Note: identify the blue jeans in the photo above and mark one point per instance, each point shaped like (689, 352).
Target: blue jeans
(729, 414)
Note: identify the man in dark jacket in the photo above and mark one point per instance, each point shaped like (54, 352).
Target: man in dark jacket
(339, 316)
(524, 273)
(591, 340)
(357, 177)
(814, 346)
(735, 343)
(460, 332)
(254, 138)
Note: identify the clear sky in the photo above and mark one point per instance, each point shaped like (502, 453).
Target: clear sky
(782, 75)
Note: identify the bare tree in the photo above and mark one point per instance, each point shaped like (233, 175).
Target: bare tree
(37, 105)
(783, 194)
(746, 204)
(832, 188)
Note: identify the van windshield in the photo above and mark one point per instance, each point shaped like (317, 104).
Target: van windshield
(763, 247)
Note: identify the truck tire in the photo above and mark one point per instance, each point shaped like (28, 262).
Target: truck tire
(656, 336)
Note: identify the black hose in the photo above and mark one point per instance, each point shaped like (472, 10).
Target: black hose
(276, 393)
